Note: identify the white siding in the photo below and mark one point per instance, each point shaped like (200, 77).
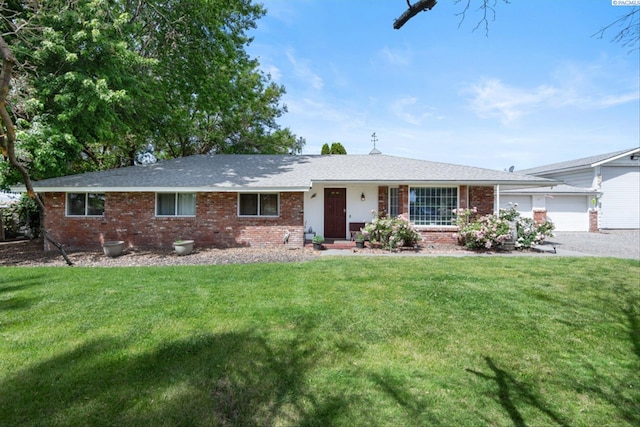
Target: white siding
(581, 178)
(525, 207)
(569, 213)
(620, 202)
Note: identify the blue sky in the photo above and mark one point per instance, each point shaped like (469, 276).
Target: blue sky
(538, 89)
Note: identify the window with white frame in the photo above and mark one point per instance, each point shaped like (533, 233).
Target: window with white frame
(258, 204)
(432, 205)
(85, 204)
(175, 204)
(394, 202)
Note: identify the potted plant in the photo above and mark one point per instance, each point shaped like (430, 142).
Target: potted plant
(317, 241)
(113, 248)
(183, 247)
(359, 238)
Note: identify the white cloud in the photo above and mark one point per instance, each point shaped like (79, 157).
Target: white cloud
(396, 57)
(408, 110)
(492, 99)
(303, 71)
(273, 71)
(596, 101)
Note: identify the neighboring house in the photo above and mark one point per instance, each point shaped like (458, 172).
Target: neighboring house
(6, 200)
(264, 200)
(600, 192)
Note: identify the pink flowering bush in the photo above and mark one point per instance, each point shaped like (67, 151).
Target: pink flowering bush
(490, 231)
(529, 233)
(391, 233)
(484, 232)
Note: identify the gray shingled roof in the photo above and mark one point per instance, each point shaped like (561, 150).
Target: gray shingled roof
(575, 164)
(278, 173)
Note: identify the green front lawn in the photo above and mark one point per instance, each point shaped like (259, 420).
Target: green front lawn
(338, 341)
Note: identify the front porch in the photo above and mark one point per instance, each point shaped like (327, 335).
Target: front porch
(333, 244)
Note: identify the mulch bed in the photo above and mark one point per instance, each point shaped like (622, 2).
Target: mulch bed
(31, 253)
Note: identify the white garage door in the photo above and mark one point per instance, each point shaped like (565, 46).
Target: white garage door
(524, 204)
(620, 202)
(568, 213)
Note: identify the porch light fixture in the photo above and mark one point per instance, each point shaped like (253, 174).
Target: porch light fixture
(362, 198)
(635, 156)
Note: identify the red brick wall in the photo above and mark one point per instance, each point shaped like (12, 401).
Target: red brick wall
(131, 217)
(403, 199)
(593, 221)
(482, 198)
(539, 216)
(443, 235)
(383, 200)
(463, 197)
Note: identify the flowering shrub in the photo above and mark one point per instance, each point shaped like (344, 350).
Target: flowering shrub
(530, 234)
(491, 230)
(391, 233)
(483, 233)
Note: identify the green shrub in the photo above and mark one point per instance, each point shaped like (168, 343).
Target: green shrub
(23, 216)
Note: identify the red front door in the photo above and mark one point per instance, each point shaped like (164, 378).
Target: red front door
(335, 213)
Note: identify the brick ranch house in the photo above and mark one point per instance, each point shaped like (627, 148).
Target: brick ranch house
(264, 200)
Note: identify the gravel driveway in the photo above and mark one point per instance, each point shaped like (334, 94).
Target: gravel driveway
(606, 243)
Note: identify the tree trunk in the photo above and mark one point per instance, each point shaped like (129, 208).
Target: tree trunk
(8, 139)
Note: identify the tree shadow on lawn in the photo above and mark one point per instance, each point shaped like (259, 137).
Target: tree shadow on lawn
(418, 408)
(623, 393)
(631, 311)
(15, 302)
(225, 379)
(513, 393)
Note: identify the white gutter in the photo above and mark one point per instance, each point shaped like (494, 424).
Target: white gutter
(619, 156)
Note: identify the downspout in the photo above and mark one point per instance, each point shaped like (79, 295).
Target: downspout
(497, 206)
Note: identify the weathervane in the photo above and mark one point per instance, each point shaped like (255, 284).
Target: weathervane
(374, 139)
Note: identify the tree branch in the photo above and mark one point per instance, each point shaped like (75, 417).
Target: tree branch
(629, 34)
(417, 7)
(8, 138)
(487, 7)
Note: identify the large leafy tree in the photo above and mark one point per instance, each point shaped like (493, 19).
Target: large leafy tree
(99, 83)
